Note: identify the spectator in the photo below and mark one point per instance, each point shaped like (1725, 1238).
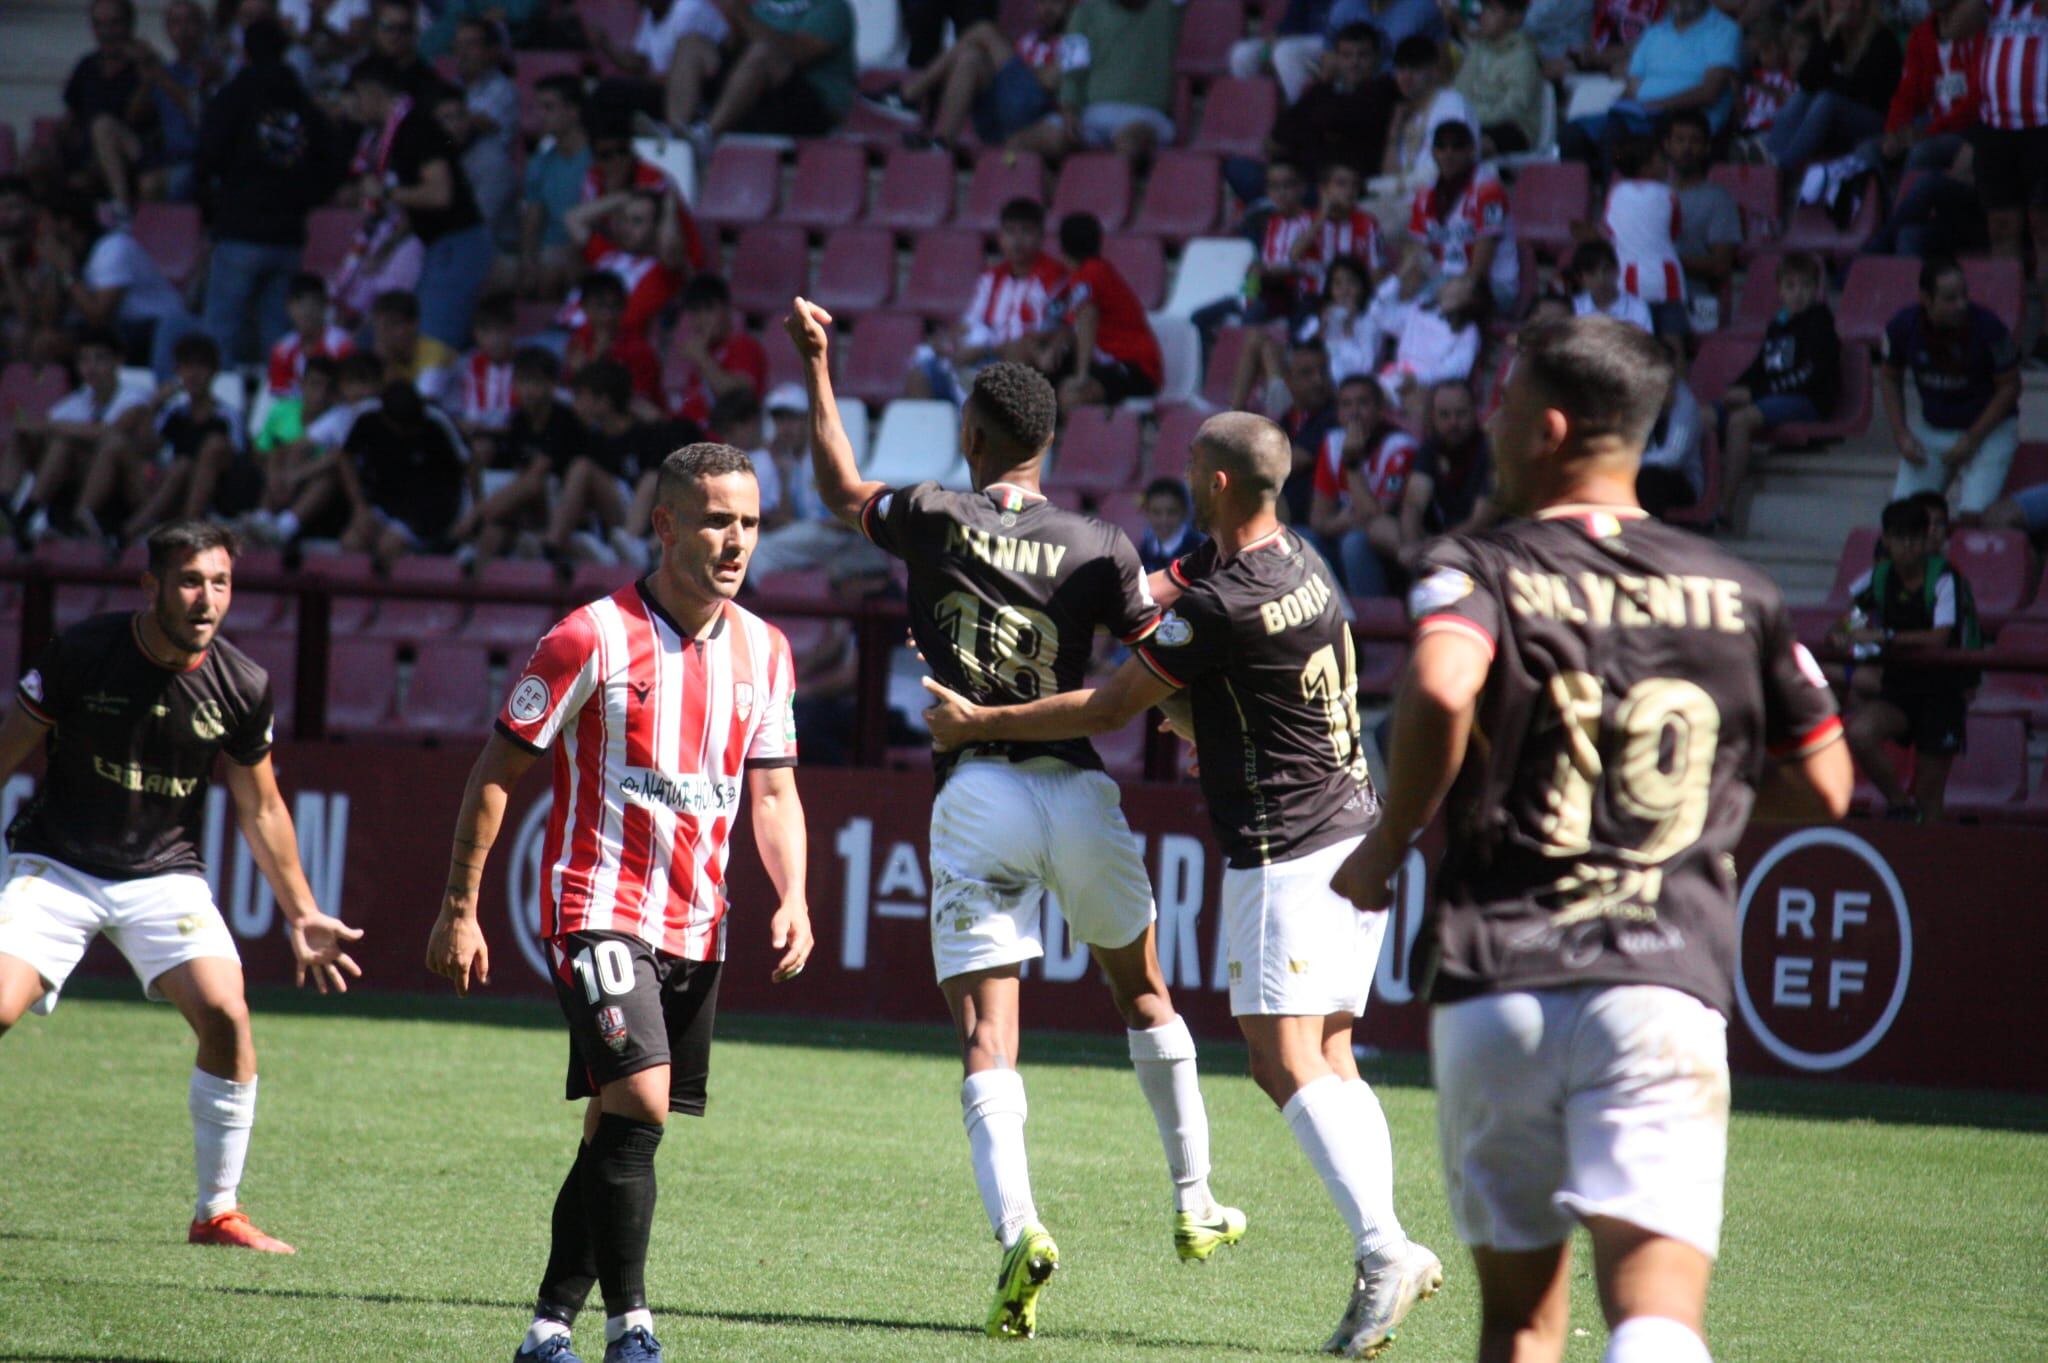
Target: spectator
(785, 461)
(736, 421)
(1934, 109)
(1795, 377)
(620, 235)
(1310, 413)
(812, 537)
(2011, 145)
(1673, 474)
(482, 120)
(347, 21)
(1450, 488)
(405, 355)
(1360, 476)
(104, 98)
(483, 395)
(1005, 87)
(616, 169)
(281, 442)
(1396, 21)
(555, 173)
(303, 481)
(674, 53)
(197, 445)
(1939, 214)
(1845, 88)
(1557, 29)
(51, 451)
(1116, 86)
(1427, 103)
(311, 336)
(1911, 599)
(602, 302)
(1295, 53)
(1686, 60)
(148, 153)
(1003, 319)
(1099, 336)
(1709, 220)
(403, 475)
(1341, 324)
(593, 516)
(1966, 369)
(1641, 219)
(1342, 117)
(525, 23)
(1435, 340)
(717, 356)
(395, 39)
(118, 286)
(793, 75)
(267, 158)
(1170, 531)
(925, 23)
(410, 162)
(539, 446)
(1282, 231)
(1463, 221)
(1342, 227)
(1596, 278)
(1502, 80)
(827, 702)
(1773, 79)
(1617, 27)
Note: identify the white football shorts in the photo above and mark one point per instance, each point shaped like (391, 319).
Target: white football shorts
(50, 912)
(1296, 947)
(1003, 834)
(1555, 1105)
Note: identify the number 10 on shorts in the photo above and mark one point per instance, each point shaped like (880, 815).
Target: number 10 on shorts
(605, 969)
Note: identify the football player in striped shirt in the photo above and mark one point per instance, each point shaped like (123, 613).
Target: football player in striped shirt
(660, 703)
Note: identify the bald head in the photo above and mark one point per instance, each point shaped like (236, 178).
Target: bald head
(1251, 451)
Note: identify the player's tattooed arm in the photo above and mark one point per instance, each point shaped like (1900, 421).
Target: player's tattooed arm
(456, 947)
(317, 940)
(957, 721)
(837, 472)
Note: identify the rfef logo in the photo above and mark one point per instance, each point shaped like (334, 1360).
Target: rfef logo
(1824, 944)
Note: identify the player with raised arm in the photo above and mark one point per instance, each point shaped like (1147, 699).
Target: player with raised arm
(1258, 641)
(131, 708)
(1599, 697)
(659, 702)
(1006, 592)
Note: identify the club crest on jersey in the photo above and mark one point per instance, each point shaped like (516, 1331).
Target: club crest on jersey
(529, 699)
(208, 722)
(743, 700)
(1173, 631)
(611, 1025)
(1444, 587)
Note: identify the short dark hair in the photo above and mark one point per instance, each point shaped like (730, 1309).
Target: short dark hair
(1253, 450)
(1416, 53)
(1907, 516)
(735, 409)
(690, 465)
(99, 338)
(1081, 236)
(1592, 255)
(265, 40)
(1029, 212)
(1935, 502)
(1019, 403)
(1632, 156)
(376, 69)
(1689, 118)
(493, 34)
(1933, 266)
(325, 365)
(1801, 265)
(536, 362)
(564, 87)
(196, 347)
(602, 283)
(171, 543)
(705, 291)
(397, 304)
(495, 309)
(360, 366)
(1167, 487)
(305, 284)
(1358, 32)
(1332, 167)
(1453, 132)
(608, 380)
(1351, 264)
(1609, 378)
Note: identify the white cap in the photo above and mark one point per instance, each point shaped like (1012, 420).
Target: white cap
(787, 397)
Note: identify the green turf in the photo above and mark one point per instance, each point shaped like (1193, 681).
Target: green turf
(825, 1210)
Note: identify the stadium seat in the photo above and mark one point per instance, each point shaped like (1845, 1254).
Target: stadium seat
(25, 388)
(1756, 192)
(916, 191)
(529, 69)
(1125, 510)
(1097, 182)
(1210, 268)
(329, 233)
(830, 187)
(1180, 348)
(253, 610)
(1099, 452)
(1236, 117)
(1720, 361)
(173, 236)
(1184, 197)
(419, 620)
(2024, 694)
(1207, 30)
(619, 20)
(277, 653)
(1991, 775)
(1546, 199)
(740, 186)
(1995, 283)
(857, 270)
(1000, 176)
(508, 626)
(770, 266)
(1859, 551)
(1221, 372)
(944, 266)
(918, 441)
(346, 614)
(1757, 302)
(1877, 287)
(1999, 567)
(449, 693)
(593, 580)
(1852, 407)
(1812, 228)
(875, 358)
(1175, 437)
(78, 601)
(362, 684)
(1142, 263)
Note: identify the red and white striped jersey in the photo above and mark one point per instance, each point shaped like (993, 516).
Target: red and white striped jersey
(288, 357)
(1481, 212)
(1038, 51)
(652, 733)
(1008, 307)
(1642, 222)
(1358, 236)
(486, 392)
(2014, 91)
(1276, 247)
(650, 285)
(1621, 22)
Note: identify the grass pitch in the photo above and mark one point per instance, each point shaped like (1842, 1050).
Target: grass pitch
(411, 1149)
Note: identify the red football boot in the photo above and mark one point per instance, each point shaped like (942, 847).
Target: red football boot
(232, 1228)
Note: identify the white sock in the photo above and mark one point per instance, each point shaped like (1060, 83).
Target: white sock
(542, 1330)
(1164, 1058)
(1339, 1126)
(993, 1109)
(222, 1113)
(614, 1326)
(1654, 1339)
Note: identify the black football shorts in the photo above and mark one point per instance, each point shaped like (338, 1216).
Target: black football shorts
(631, 1008)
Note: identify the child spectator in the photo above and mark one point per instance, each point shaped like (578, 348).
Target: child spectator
(1463, 219)
(592, 517)
(1502, 80)
(1795, 376)
(1342, 228)
(283, 446)
(1966, 369)
(312, 334)
(407, 356)
(1282, 231)
(1771, 83)
(711, 355)
(197, 441)
(1341, 324)
(1169, 525)
(1361, 474)
(403, 475)
(1596, 277)
(51, 452)
(603, 335)
(1642, 221)
(537, 449)
(1003, 318)
(483, 389)
(1100, 337)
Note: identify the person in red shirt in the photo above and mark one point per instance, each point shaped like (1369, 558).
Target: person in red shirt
(1342, 228)
(1935, 106)
(305, 302)
(615, 169)
(619, 234)
(604, 336)
(1361, 471)
(711, 356)
(1003, 319)
(1100, 338)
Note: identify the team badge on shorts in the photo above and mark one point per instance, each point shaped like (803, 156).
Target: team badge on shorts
(743, 700)
(611, 1025)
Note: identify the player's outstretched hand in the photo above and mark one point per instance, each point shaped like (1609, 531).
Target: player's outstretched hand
(456, 949)
(807, 325)
(317, 942)
(789, 932)
(1360, 881)
(948, 717)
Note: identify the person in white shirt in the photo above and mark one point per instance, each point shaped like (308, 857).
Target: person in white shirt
(1427, 100)
(674, 52)
(49, 455)
(1642, 220)
(1597, 272)
(1673, 475)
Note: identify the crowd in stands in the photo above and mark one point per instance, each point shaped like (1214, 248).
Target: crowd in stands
(456, 288)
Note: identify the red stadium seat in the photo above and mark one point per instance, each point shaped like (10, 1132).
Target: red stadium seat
(1999, 567)
(529, 69)
(830, 187)
(1236, 117)
(1859, 551)
(1720, 361)
(1877, 287)
(1097, 182)
(1995, 283)
(1757, 303)
(1990, 778)
(1207, 30)
(857, 270)
(770, 266)
(362, 684)
(1852, 407)
(1125, 510)
(876, 357)
(1099, 452)
(449, 692)
(1184, 197)
(1142, 263)
(593, 580)
(2024, 694)
(515, 629)
(618, 20)
(1000, 176)
(740, 186)
(1812, 228)
(943, 269)
(76, 602)
(2029, 465)
(347, 614)
(277, 653)
(916, 191)
(1176, 436)
(418, 620)
(258, 611)
(174, 237)
(1755, 190)
(329, 232)
(1547, 198)
(28, 390)
(1223, 358)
